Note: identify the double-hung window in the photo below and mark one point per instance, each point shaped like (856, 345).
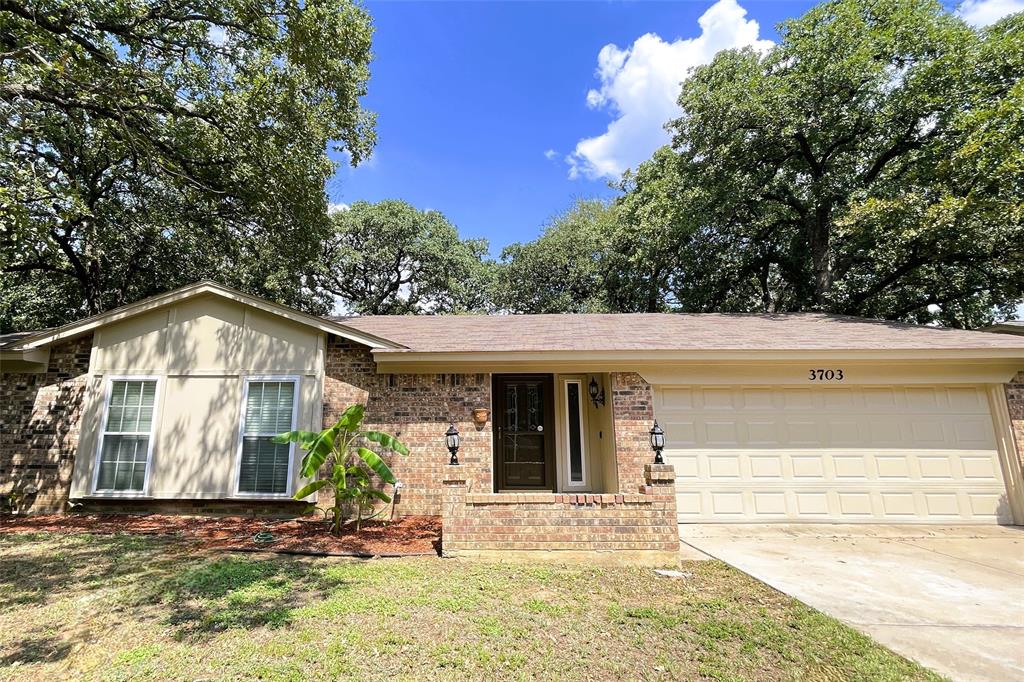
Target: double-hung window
(127, 437)
(268, 408)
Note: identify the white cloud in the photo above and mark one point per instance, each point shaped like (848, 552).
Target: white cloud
(640, 85)
(551, 155)
(985, 12)
(336, 208)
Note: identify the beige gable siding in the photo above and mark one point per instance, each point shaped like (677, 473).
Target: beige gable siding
(201, 350)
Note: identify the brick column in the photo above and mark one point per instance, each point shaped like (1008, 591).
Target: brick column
(661, 485)
(453, 507)
(632, 417)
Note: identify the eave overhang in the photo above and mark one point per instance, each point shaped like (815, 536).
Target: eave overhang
(986, 364)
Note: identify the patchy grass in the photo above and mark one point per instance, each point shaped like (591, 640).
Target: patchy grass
(129, 608)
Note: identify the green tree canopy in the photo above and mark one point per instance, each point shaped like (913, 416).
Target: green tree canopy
(149, 143)
(390, 258)
(564, 270)
(869, 164)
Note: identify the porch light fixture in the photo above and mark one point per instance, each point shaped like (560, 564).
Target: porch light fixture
(596, 393)
(657, 442)
(451, 440)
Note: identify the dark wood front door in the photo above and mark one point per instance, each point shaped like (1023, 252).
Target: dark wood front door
(524, 432)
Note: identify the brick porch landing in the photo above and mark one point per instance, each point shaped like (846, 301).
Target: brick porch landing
(620, 528)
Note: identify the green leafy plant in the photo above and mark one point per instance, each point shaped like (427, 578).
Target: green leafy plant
(9, 502)
(353, 464)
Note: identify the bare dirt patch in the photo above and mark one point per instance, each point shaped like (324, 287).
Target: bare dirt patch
(405, 536)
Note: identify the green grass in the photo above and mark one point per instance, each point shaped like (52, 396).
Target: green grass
(136, 608)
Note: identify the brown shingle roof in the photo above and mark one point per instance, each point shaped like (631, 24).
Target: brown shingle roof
(663, 331)
(12, 338)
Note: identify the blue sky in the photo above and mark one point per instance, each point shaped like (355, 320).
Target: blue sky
(500, 114)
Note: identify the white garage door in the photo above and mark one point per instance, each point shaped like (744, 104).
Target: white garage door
(842, 454)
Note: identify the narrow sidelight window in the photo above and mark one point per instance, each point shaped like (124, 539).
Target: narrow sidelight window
(574, 431)
(127, 436)
(268, 409)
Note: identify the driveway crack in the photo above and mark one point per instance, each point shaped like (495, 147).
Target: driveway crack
(959, 558)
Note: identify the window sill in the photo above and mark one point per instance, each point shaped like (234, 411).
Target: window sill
(102, 495)
(261, 496)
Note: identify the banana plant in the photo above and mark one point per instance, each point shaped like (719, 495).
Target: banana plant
(350, 477)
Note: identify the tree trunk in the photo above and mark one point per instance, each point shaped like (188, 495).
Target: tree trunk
(818, 240)
(651, 305)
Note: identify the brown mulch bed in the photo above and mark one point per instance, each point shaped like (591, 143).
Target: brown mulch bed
(405, 536)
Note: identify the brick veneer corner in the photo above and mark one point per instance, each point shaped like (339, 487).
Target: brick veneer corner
(40, 416)
(1015, 400)
(416, 408)
(632, 418)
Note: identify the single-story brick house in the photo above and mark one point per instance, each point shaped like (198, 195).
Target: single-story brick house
(168, 404)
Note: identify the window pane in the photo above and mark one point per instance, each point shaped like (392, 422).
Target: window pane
(575, 434)
(264, 466)
(115, 413)
(123, 463)
(131, 406)
(269, 406)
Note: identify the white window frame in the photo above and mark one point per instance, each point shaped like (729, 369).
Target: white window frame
(108, 390)
(246, 380)
(567, 435)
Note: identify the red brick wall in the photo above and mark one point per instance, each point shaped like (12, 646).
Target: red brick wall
(642, 522)
(39, 426)
(632, 417)
(1015, 398)
(416, 408)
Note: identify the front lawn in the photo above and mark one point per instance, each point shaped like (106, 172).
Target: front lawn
(133, 607)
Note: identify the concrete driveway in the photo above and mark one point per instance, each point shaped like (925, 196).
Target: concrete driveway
(950, 598)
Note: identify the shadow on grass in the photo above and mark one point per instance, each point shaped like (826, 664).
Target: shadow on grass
(235, 592)
(28, 576)
(36, 650)
(196, 594)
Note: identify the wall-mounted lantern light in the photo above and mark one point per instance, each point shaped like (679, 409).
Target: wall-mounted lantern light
(657, 442)
(596, 393)
(451, 440)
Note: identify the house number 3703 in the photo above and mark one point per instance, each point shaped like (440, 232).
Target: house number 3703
(825, 375)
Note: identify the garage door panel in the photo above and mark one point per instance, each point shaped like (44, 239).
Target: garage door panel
(986, 504)
(724, 466)
(899, 504)
(759, 399)
(850, 467)
(941, 504)
(980, 468)
(798, 399)
(762, 432)
(847, 454)
(937, 467)
(721, 433)
(769, 503)
(808, 466)
(720, 399)
(766, 466)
